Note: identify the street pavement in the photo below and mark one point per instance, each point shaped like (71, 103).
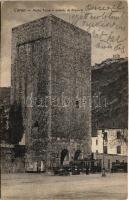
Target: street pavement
(46, 187)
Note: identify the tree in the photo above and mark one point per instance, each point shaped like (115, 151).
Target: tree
(16, 127)
(3, 123)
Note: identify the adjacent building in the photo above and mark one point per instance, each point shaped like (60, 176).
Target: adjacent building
(115, 142)
(110, 145)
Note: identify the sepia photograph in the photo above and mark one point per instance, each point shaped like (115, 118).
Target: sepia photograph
(64, 100)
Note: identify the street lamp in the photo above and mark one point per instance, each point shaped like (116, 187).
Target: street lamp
(103, 169)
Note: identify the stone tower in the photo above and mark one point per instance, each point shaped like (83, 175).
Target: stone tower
(51, 79)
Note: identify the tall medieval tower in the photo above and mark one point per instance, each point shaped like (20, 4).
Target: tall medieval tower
(51, 79)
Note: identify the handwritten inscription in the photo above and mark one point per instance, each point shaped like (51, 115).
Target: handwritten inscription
(106, 25)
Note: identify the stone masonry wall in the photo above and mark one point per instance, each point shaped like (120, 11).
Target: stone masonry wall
(51, 59)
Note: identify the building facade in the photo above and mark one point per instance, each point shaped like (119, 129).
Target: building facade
(51, 80)
(115, 142)
(111, 146)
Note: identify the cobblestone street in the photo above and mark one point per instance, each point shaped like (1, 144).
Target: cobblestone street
(86, 187)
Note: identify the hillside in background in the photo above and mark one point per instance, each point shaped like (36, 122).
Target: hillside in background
(110, 94)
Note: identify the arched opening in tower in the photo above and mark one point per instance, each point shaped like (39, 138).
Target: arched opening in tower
(77, 154)
(64, 153)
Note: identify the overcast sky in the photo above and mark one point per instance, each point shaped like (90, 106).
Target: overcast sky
(105, 20)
